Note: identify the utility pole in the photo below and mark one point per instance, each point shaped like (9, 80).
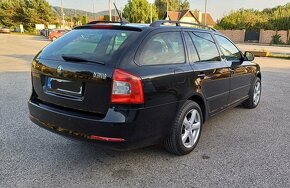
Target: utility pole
(74, 17)
(63, 21)
(167, 18)
(115, 14)
(110, 10)
(150, 12)
(205, 12)
(86, 17)
(121, 12)
(94, 11)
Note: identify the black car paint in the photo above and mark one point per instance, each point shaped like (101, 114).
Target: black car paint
(216, 86)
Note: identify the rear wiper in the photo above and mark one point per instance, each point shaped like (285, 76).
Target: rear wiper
(79, 59)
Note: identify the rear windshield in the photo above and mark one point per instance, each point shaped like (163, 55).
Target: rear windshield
(98, 45)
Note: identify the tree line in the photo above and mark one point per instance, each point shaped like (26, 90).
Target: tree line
(31, 12)
(26, 12)
(277, 18)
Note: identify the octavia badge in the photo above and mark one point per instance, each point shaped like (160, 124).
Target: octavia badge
(98, 75)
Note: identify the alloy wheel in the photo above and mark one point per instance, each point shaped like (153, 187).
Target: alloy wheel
(191, 128)
(257, 93)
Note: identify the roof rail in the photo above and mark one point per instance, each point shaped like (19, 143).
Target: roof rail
(100, 22)
(178, 23)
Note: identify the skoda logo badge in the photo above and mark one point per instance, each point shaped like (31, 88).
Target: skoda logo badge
(59, 69)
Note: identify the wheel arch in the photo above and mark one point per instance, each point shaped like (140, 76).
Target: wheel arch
(259, 75)
(201, 102)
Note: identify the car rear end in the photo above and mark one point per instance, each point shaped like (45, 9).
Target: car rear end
(52, 34)
(5, 30)
(79, 91)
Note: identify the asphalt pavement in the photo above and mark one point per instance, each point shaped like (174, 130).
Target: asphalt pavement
(238, 148)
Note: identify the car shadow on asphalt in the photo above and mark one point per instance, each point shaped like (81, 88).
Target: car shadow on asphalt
(88, 151)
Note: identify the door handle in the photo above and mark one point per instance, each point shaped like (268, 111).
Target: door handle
(201, 75)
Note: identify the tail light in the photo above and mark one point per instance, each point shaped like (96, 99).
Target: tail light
(127, 88)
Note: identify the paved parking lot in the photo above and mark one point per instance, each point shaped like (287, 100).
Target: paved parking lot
(238, 148)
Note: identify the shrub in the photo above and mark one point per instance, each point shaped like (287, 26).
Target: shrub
(276, 39)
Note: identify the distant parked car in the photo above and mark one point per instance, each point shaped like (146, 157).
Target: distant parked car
(57, 33)
(46, 32)
(16, 30)
(43, 32)
(5, 30)
(49, 31)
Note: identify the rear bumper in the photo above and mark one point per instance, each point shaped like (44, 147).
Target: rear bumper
(138, 127)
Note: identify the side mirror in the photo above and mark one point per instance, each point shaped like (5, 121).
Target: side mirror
(249, 56)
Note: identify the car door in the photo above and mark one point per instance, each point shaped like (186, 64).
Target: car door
(162, 63)
(241, 72)
(211, 75)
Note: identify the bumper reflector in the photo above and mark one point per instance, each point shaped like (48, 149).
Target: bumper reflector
(100, 138)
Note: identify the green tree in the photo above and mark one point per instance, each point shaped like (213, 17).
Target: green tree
(138, 11)
(37, 12)
(173, 5)
(277, 18)
(248, 19)
(8, 12)
(280, 17)
(26, 12)
(183, 5)
(77, 19)
(84, 20)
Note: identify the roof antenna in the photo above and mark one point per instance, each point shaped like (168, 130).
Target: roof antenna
(121, 19)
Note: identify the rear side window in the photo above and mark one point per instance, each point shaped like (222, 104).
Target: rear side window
(163, 48)
(191, 48)
(116, 42)
(229, 50)
(90, 44)
(205, 46)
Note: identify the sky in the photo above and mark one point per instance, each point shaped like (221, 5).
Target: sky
(217, 8)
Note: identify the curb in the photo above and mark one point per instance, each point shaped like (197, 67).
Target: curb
(271, 54)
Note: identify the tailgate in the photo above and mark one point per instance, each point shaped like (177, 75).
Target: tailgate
(80, 86)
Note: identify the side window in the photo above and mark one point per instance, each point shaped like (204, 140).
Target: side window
(205, 46)
(191, 48)
(228, 48)
(163, 48)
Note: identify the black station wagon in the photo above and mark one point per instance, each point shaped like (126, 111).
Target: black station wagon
(127, 86)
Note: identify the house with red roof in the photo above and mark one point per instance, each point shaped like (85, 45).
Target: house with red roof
(190, 16)
(202, 16)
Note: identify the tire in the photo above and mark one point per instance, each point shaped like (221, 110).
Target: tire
(255, 94)
(174, 142)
